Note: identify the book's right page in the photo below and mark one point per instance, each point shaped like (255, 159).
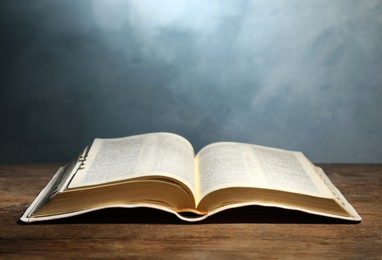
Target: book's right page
(237, 165)
(228, 164)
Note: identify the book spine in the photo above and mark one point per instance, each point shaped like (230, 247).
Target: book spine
(57, 184)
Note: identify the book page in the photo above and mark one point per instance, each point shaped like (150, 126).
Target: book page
(227, 164)
(161, 154)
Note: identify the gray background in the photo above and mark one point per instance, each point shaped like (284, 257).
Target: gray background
(302, 75)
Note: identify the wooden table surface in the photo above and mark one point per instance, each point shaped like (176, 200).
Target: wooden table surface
(245, 233)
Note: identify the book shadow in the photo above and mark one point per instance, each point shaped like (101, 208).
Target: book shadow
(249, 214)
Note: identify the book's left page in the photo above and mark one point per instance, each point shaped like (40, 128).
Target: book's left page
(155, 154)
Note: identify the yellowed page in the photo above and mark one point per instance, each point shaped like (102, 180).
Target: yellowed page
(162, 154)
(229, 164)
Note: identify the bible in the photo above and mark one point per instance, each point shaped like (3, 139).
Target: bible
(162, 171)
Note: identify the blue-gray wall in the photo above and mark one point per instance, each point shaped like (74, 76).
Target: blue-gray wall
(303, 75)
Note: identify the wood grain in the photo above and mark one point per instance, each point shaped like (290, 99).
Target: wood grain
(246, 233)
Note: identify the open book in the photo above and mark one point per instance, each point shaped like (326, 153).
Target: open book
(161, 170)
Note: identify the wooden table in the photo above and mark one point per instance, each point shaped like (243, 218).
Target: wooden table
(245, 233)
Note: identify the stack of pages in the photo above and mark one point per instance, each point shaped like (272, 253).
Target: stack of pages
(161, 171)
